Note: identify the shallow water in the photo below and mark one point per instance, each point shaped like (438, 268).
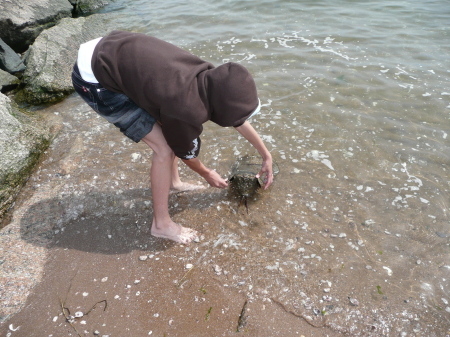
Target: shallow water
(356, 110)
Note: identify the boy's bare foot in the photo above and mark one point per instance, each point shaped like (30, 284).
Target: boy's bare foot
(174, 232)
(181, 186)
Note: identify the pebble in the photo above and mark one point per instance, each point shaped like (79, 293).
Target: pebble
(342, 235)
(96, 332)
(418, 261)
(78, 314)
(137, 281)
(189, 266)
(143, 257)
(104, 279)
(326, 290)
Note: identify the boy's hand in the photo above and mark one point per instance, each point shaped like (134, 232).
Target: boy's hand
(215, 180)
(266, 172)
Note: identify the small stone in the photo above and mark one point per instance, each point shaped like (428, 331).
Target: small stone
(342, 235)
(78, 314)
(137, 281)
(326, 290)
(104, 279)
(85, 294)
(189, 266)
(418, 261)
(368, 267)
(96, 332)
(143, 257)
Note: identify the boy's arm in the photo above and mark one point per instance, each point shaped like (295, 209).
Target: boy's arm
(249, 133)
(211, 176)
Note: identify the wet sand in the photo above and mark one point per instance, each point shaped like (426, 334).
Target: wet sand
(78, 241)
(72, 247)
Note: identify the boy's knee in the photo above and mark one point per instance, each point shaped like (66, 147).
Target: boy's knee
(164, 153)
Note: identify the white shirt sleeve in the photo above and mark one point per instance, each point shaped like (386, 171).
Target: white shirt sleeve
(84, 60)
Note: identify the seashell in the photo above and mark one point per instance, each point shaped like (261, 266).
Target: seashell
(353, 301)
(217, 269)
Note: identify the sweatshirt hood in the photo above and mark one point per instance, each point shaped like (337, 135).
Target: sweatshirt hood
(232, 94)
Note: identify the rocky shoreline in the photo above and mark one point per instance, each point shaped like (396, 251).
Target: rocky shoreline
(38, 46)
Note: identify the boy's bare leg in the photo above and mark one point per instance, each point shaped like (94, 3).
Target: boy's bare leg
(161, 178)
(177, 184)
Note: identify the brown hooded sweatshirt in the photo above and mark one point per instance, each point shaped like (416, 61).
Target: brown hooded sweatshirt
(177, 88)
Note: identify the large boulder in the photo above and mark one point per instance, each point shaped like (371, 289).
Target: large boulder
(10, 61)
(21, 21)
(49, 65)
(82, 7)
(7, 81)
(21, 143)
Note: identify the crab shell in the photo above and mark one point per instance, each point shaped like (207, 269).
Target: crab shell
(245, 185)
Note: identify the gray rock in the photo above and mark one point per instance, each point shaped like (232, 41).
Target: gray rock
(21, 21)
(10, 61)
(21, 143)
(82, 7)
(49, 65)
(7, 81)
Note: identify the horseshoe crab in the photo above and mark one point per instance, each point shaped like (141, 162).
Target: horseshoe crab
(243, 181)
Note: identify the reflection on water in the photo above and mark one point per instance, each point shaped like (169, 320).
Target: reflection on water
(356, 113)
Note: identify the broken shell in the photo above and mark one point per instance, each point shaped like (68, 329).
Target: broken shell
(78, 314)
(353, 301)
(217, 269)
